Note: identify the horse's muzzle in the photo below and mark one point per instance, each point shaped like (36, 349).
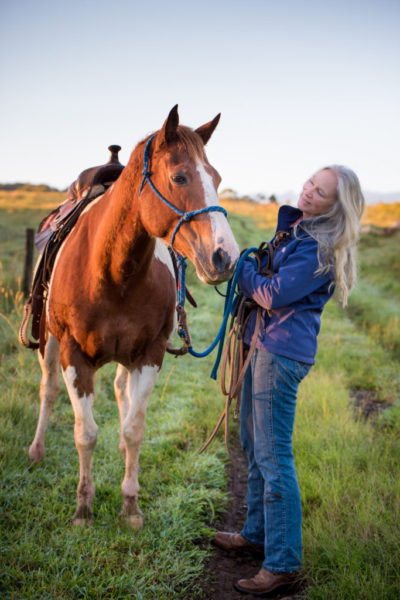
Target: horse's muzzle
(220, 269)
(221, 260)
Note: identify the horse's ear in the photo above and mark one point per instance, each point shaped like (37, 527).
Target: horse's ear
(206, 131)
(168, 131)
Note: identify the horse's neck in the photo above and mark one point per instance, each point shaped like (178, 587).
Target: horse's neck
(123, 249)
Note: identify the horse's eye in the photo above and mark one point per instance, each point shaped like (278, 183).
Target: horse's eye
(179, 179)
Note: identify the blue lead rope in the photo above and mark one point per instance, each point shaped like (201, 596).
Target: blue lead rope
(229, 303)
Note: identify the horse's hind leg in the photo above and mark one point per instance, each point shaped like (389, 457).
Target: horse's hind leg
(139, 385)
(79, 379)
(49, 387)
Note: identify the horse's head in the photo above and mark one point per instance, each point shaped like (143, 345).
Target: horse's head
(180, 172)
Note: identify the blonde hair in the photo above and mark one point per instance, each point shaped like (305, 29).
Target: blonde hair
(337, 232)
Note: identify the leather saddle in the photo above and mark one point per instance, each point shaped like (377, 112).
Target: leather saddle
(103, 175)
(90, 183)
(52, 231)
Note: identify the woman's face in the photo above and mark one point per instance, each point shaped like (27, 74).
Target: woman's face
(319, 194)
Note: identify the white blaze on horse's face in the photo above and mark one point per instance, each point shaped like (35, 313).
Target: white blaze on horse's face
(224, 247)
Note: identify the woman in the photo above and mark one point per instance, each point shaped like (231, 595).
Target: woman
(315, 253)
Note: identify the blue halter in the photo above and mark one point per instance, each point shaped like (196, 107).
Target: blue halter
(184, 216)
(181, 263)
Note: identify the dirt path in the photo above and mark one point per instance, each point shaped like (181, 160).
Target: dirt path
(224, 567)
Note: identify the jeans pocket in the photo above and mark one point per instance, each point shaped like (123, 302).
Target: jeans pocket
(302, 369)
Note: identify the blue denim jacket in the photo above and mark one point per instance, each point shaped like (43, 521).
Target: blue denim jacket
(294, 297)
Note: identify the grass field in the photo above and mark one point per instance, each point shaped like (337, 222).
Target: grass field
(347, 467)
(375, 302)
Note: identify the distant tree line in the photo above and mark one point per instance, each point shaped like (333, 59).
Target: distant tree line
(27, 187)
(230, 194)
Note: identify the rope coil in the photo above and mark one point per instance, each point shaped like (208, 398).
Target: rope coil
(240, 309)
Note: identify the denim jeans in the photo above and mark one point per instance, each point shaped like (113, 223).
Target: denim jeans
(267, 412)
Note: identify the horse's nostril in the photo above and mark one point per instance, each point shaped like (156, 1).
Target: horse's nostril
(220, 259)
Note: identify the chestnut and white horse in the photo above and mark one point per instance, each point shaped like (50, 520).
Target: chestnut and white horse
(112, 293)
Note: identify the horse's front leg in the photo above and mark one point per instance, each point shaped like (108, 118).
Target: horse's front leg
(79, 379)
(49, 387)
(140, 384)
(122, 396)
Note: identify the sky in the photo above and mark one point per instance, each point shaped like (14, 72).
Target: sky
(300, 84)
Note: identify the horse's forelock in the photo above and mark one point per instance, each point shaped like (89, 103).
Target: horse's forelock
(187, 139)
(191, 142)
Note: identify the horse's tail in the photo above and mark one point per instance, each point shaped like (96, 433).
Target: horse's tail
(23, 330)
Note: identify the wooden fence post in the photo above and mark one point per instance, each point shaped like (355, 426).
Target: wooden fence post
(28, 267)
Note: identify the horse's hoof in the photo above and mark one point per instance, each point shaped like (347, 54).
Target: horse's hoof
(82, 517)
(81, 522)
(36, 452)
(136, 522)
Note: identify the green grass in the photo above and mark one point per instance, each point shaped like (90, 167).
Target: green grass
(348, 468)
(375, 302)
(42, 555)
(13, 224)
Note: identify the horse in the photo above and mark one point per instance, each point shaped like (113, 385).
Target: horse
(112, 292)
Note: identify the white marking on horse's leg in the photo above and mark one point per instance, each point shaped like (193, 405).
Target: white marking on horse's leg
(222, 233)
(49, 387)
(85, 434)
(140, 386)
(121, 394)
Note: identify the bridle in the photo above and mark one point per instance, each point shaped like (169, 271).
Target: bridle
(179, 259)
(184, 216)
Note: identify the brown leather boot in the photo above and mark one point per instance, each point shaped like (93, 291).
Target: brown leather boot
(265, 582)
(235, 541)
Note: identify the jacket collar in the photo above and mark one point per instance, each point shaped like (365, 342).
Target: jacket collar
(287, 215)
